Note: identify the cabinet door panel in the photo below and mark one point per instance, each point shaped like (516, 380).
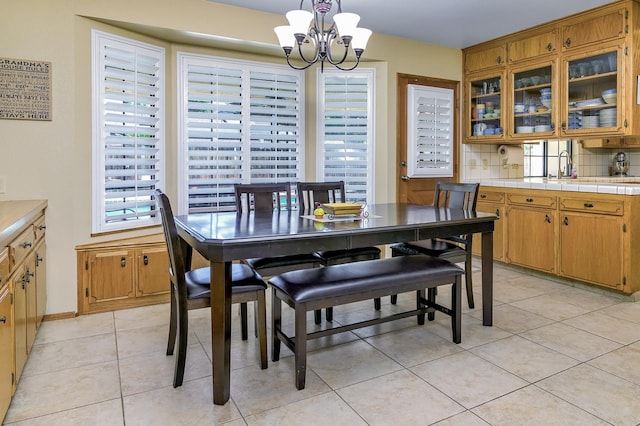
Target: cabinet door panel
(498, 232)
(41, 282)
(6, 366)
(19, 323)
(597, 29)
(153, 271)
(112, 275)
(484, 59)
(531, 238)
(532, 47)
(591, 248)
(31, 294)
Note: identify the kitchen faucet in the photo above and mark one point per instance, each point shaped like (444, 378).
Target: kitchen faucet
(567, 166)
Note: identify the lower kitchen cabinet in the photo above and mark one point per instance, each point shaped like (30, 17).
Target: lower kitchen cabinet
(122, 274)
(6, 365)
(532, 230)
(491, 202)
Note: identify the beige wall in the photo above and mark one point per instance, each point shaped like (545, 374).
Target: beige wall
(52, 160)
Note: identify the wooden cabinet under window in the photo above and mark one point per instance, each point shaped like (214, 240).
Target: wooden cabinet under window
(122, 274)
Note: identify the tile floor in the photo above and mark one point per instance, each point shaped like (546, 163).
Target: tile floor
(557, 354)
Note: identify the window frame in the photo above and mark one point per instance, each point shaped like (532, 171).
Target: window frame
(321, 175)
(99, 223)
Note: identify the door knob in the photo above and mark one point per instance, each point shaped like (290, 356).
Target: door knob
(405, 178)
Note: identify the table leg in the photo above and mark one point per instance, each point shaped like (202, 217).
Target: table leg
(487, 278)
(221, 330)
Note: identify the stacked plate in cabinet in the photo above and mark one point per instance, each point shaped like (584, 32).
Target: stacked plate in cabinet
(608, 117)
(575, 120)
(590, 121)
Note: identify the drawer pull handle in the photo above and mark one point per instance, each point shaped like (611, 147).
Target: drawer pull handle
(3, 320)
(26, 244)
(483, 196)
(549, 47)
(566, 221)
(123, 261)
(42, 228)
(145, 259)
(498, 213)
(547, 218)
(588, 205)
(529, 200)
(499, 59)
(568, 42)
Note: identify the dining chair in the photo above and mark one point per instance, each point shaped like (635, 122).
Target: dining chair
(265, 199)
(456, 248)
(192, 290)
(309, 194)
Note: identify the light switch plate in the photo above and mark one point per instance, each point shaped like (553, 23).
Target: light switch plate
(3, 184)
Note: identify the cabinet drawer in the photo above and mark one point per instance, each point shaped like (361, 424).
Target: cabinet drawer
(19, 247)
(39, 227)
(490, 196)
(485, 59)
(5, 265)
(532, 200)
(598, 29)
(586, 205)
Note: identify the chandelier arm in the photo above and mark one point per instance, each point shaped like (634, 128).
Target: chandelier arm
(347, 69)
(317, 51)
(296, 67)
(332, 36)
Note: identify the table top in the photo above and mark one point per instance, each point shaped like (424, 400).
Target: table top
(229, 236)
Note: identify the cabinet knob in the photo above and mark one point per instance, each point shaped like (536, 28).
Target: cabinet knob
(549, 47)
(499, 59)
(498, 213)
(588, 205)
(123, 261)
(567, 42)
(529, 200)
(405, 178)
(566, 221)
(145, 259)
(547, 218)
(3, 319)
(42, 227)
(483, 196)
(26, 244)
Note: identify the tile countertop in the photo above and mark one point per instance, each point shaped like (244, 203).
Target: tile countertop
(624, 185)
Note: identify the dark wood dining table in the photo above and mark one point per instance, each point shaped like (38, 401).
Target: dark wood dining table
(226, 236)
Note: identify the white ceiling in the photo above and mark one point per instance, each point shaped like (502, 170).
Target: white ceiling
(452, 23)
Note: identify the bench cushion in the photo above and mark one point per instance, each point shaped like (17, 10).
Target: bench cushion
(352, 278)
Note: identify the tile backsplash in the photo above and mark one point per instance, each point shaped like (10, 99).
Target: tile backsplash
(484, 162)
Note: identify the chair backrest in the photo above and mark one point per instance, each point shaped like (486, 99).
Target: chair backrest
(456, 195)
(310, 193)
(176, 260)
(262, 197)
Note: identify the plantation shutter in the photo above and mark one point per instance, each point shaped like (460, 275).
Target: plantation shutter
(128, 132)
(430, 131)
(347, 135)
(241, 123)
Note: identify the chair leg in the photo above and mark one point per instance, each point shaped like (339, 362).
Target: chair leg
(261, 326)
(317, 316)
(173, 322)
(181, 357)
(300, 344)
(468, 272)
(456, 303)
(376, 303)
(431, 297)
(276, 324)
(329, 314)
(420, 305)
(243, 321)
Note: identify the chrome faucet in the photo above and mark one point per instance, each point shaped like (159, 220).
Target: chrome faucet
(566, 172)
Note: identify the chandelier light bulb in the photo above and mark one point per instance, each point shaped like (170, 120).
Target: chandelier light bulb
(286, 38)
(346, 23)
(299, 20)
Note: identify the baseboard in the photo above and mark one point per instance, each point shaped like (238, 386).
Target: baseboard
(59, 316)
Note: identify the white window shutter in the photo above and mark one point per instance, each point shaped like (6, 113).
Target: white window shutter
(430, 131)
(128, 125)
(345, 127)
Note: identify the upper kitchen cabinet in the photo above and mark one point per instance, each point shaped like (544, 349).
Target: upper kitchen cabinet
(531, 113)
(576, 77)
(597, 26)
(485, 58)
(537, 45)
(483, 108)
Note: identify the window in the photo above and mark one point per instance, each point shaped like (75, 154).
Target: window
(128, 132)
(430, 131)
(541, 157)
(345, 131)
(239, 122)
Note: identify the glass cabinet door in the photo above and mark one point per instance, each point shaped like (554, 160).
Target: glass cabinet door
(484, 109)
(591, 95)
(532, 103)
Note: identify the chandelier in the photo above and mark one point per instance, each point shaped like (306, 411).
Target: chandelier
(311, 28)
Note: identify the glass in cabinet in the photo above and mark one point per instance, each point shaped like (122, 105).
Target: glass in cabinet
(532, 103)
(591, 103)
(484, 109)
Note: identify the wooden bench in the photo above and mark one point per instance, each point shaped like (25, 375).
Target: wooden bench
(310, 289)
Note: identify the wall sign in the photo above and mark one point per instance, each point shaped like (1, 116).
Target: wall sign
(25, 89)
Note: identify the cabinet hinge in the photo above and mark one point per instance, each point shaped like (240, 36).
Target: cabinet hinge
(624, 227)
(626, 29)
(86, 292)
(86, 265)
(626, 51)
(11, 298)
(13, 378)
(624, 281)
(626, 14)
(626, 123)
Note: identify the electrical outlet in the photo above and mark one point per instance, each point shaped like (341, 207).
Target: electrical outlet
(485, 164)
(3, 184)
